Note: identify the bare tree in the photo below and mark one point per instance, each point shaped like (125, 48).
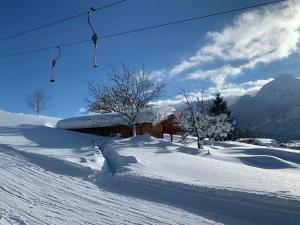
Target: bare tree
(37, 101)
(129, 92)
(193, 118)
(196, 120)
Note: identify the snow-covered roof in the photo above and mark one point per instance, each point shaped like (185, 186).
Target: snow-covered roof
(292, 144)
(152, 115)
(260, 141)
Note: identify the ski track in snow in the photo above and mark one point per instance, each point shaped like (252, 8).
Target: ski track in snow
(31, 195)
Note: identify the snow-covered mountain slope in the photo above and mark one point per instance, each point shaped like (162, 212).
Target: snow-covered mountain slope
(53, 176)
(274, 111)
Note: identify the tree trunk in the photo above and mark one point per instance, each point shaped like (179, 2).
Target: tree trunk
(134, 131)
(171, 137)
(199, 143)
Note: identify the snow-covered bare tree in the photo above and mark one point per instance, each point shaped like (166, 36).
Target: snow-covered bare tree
(193, 118)
(37, 101)
(219, 127)
(129, 92)
(196, 120)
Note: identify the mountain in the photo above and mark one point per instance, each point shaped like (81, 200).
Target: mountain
(274, 111)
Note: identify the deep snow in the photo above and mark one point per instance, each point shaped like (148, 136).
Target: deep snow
(263, 186)
(54, 176)
(31, 194)
(146, 156)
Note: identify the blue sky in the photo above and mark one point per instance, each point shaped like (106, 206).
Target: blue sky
(236, 53)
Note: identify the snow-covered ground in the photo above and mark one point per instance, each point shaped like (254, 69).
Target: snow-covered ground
(150, 157)
(35, 134)
(32, 193)
(244, 176)
(54, 176)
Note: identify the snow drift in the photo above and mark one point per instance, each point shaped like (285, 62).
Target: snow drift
(184, 177)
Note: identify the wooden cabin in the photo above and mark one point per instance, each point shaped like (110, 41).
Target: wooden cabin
(154, 121)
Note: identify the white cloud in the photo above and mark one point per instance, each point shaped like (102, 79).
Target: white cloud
(217, 76)
(158, 75)
(259, 36)
(186, 64)
(174, 101)
(231, 92)
(82, 111)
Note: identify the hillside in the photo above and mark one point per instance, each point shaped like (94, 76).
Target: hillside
(273, 111)
(54, 176)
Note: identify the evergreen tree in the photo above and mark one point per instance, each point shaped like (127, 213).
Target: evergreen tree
(219, 106)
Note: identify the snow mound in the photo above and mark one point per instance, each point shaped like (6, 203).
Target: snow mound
(8, 119)
(267, 162)
(116, 162)
(159, 159)
(173, 174)
(31, 134)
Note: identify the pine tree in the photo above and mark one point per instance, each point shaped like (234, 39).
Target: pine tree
(219, 106)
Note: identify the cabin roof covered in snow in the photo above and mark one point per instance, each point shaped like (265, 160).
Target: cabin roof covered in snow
(151, 115)
(260, 141)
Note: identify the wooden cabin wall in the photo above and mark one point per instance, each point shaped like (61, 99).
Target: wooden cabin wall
(157, 131)
(171, 126)
(124, 131)
(168, 126)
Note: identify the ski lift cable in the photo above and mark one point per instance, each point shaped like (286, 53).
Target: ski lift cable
(143, 28)
(57, 22)
(193, 18)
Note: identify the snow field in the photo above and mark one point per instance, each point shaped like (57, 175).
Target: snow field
(54, 176)
(187, 178)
